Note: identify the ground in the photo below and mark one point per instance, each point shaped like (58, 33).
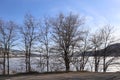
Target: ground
(67, 76)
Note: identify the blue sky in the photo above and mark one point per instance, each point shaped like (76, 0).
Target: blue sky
(97, 12)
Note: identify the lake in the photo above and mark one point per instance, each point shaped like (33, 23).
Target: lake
(56, 64)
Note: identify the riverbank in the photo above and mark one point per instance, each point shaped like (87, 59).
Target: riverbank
(66, 76)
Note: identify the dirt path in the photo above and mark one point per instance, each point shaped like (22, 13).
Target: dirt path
(69, 76)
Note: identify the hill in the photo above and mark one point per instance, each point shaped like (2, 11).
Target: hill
(111, 50)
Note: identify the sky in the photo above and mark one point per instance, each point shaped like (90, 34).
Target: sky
(96, 12)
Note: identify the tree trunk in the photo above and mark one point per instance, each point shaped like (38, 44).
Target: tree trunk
(47, 58)
(104, 65)
(67, 62)
(47, 64)
(96, 65)
(67, 66)
(26, 61)
(83, 62)
(7, 63)
(4, 61)
(29, 65)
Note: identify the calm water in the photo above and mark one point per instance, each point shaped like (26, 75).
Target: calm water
(37, 64)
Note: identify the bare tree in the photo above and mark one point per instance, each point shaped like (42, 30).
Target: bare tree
(66, 34)
(101, 42)
(81, 57)
(45, 40)
(29, 36)
(108, 39)
(96, 42)
(7, 39)
(84, 48)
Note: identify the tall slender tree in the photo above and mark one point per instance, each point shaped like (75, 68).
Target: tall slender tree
(45, 40)
(96, 42)
(84, 48)
(7, 39)
(29, 37)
